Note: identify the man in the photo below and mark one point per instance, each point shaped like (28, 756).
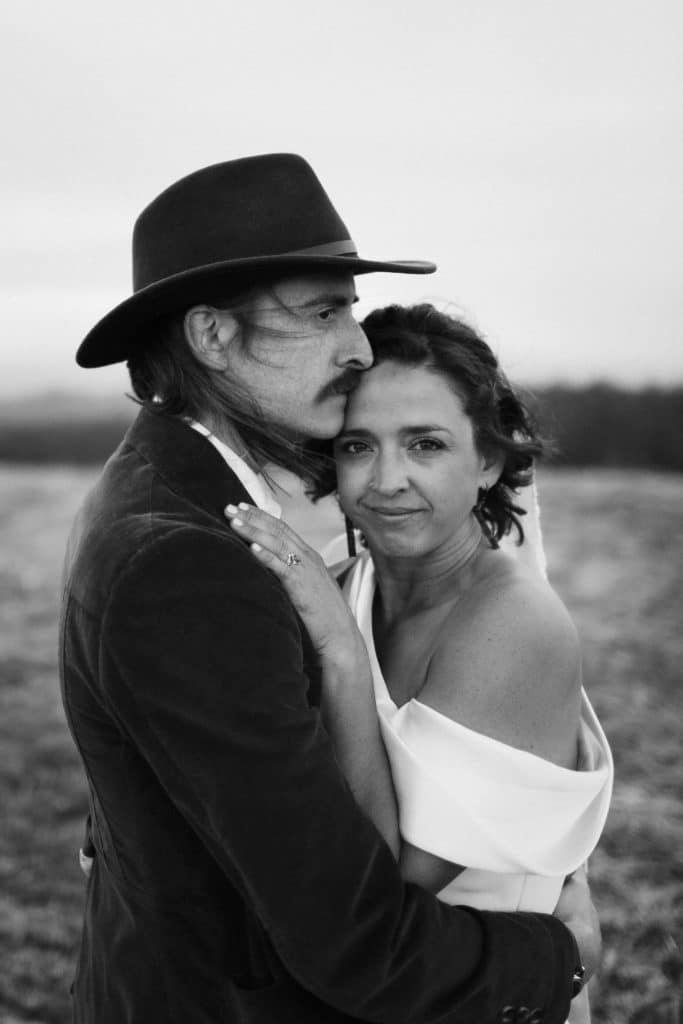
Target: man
(234, 877)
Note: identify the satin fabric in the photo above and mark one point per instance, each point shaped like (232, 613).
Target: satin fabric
(519, 823)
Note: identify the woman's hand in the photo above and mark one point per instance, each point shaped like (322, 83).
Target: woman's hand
(310, 586)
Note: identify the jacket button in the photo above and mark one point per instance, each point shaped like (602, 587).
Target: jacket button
(522, 1015)
(536, 1016)
(508, 1015)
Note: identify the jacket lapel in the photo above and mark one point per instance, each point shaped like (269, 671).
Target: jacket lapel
(191, 466)
(186, 461)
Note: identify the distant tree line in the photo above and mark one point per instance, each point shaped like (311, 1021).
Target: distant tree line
(603, 425)
(600, 425)
(82, 441)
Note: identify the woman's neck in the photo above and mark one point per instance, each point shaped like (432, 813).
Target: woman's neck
(409, 585)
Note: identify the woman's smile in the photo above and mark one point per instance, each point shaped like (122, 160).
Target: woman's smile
(393, 513)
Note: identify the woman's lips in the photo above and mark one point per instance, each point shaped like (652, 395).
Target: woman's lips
(391, 513)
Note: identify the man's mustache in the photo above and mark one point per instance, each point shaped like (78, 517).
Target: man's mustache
(346, 382)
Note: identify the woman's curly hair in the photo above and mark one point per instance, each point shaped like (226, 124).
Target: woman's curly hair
(423, 336)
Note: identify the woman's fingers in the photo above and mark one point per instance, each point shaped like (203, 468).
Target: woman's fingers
(260, 527)
(270, 533)
(271, 561)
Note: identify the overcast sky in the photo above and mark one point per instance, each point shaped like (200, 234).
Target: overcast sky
(534, 150)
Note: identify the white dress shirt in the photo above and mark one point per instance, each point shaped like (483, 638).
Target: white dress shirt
(254, 483)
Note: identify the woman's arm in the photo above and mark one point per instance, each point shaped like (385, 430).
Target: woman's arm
(348, 705)
(350, 717)
(425, 869)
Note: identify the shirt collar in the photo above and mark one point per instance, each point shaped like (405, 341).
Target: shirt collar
(253, 483)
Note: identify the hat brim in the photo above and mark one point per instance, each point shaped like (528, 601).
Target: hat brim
(120, 333)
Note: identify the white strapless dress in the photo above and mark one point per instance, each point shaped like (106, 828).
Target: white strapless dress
(518, 823)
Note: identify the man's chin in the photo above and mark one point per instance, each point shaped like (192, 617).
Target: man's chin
(325, 421)
(330, 420)
(315, 432)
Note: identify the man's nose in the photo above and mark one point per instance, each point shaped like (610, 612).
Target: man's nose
(356, 351)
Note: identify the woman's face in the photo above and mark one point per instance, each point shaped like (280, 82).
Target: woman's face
(408, 470)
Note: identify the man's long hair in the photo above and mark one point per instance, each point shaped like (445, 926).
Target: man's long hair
(166, 377)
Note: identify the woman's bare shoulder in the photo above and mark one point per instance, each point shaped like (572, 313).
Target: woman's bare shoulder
(508, 664)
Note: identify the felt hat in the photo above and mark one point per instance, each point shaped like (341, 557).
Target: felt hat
(244, 219)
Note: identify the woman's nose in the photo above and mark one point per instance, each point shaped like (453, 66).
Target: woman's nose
(390, 475)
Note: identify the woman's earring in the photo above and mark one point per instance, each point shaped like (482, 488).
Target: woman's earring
(478, 512)
(350, 537)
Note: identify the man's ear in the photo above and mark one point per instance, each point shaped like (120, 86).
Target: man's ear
(209, 333)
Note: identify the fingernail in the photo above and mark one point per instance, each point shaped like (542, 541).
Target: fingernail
(243, 505)
(256, 547)
(237, 522)
(230, 509)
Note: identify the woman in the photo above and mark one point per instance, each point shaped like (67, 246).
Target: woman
(469, 657)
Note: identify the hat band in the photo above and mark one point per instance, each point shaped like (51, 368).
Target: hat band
(344, 248)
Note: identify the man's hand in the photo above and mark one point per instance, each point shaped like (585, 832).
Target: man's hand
(575, 909)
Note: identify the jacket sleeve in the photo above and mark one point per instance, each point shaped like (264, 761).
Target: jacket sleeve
(201, 662)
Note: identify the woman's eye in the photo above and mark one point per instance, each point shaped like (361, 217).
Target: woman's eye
(353, 448)
(427, 444)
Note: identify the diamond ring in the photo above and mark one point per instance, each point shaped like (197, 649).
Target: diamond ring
(292, 559)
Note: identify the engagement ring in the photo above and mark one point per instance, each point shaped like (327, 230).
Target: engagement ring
(292, 559)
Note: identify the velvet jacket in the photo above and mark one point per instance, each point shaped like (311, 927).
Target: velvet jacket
(235, 879)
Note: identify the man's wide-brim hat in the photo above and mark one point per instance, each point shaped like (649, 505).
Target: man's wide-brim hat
(245, 219)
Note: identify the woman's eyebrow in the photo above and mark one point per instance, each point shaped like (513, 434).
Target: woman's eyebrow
(425, 428)
(428, 428)
(352, 432)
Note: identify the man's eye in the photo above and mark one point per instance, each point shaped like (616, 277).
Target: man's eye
(327, 314)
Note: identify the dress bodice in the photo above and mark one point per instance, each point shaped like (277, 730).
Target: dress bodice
(518, 823)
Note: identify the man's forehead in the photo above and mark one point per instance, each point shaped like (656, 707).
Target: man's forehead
(301, 289)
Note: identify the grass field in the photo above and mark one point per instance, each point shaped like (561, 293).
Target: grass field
(615, 547)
